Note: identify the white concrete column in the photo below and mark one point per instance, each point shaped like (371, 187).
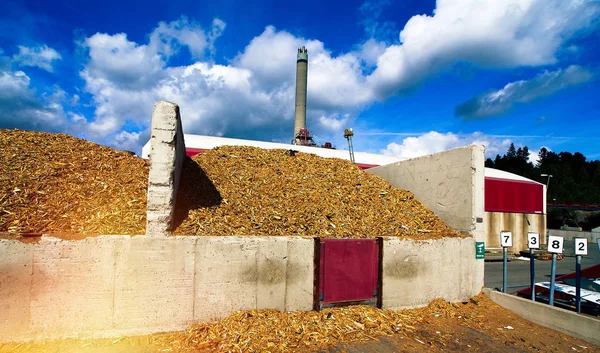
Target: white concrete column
(167, 152)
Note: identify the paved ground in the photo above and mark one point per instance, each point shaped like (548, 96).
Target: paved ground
(518, 271)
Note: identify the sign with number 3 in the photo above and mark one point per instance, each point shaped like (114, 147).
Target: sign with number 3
(533, 240)
(555, 244)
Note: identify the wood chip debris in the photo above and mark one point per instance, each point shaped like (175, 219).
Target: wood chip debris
(275, 331)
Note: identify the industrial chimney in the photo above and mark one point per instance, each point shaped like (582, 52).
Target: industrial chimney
(301, 76)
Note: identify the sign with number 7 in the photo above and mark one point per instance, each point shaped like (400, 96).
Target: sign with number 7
(555, 244)
(506, 239)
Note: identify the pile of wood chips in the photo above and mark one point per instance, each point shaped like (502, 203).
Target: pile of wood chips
(274, 331)
(57, 183)
(235, 190)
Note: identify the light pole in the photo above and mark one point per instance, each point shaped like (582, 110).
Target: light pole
(553, 266)
(547, 181)
(348, 133)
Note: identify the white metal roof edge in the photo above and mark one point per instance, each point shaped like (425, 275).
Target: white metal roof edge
(500, 174)
(210, 142)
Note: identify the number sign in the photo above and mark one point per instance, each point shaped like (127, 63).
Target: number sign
(555, 244)
(506, 239)
(533, 239)
(580, 246)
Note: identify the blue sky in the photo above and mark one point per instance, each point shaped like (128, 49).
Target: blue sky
(411, 77)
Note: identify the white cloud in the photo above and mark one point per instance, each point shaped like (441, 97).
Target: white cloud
(77, 118)
(543, 85)
(127, 140)
(22, 107)
(41, 56)
(371, 50)
(334, 123)
(371, 12)
(114, 60)
(497, 34)
(168, 38)
(433, 142)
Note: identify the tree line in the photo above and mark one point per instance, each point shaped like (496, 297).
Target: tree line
(574, 178)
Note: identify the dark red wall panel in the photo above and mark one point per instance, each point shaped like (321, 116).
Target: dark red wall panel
(190, 152)
(348, 269)
(502, 195)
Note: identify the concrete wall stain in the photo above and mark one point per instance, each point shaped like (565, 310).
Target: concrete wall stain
(249, 274)
(404, 269)
(297, 272)
(272, 271)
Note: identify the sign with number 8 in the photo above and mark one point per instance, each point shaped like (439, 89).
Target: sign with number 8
(555, 244)
(533, 240)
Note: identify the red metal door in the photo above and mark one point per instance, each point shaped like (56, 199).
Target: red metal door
(349, 270)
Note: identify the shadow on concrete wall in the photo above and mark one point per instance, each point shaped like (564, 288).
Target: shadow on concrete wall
(195, 191)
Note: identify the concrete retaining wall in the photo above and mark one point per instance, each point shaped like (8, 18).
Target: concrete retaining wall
(517, 223)
(450, 183)
(568, 322)
(417, 272)
(121, 285)
(569, 235)
(166, 160)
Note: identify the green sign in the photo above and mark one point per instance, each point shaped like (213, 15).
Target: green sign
(479, 250)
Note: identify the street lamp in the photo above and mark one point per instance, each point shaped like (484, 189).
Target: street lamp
(547, 181)
(553, 266)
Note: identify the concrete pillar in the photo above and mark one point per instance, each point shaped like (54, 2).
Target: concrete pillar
(167, 152)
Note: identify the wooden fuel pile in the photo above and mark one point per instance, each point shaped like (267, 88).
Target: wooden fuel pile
(59, 184)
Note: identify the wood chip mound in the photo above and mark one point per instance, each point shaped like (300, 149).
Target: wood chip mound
(65, 186)
(238, 190)
(56, 183)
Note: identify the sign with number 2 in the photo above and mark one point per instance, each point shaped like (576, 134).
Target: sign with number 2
(580, 246)
(555, 244)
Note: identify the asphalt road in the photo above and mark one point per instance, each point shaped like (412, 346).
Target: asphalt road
(518, 271)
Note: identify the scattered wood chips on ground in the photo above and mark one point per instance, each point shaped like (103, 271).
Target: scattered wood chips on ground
(477, 325)
(58, 184)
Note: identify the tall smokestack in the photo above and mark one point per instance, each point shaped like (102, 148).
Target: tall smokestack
(301, 76)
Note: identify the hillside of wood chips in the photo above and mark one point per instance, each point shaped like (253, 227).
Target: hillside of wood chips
(58, 184)
(253, 191)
